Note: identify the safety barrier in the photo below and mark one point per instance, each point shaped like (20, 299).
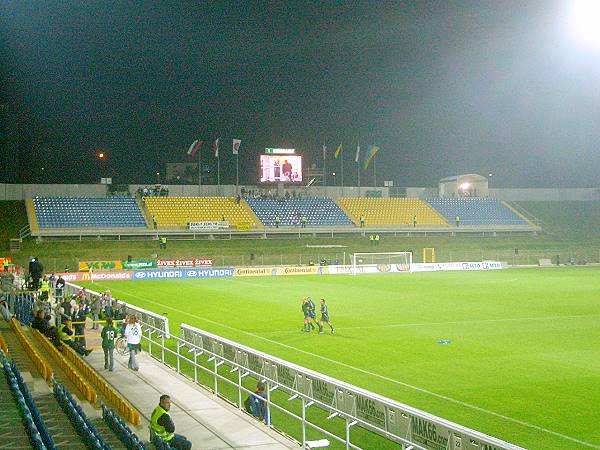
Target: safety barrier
(111, 394)
(39, 362)
(3, 345)
(88, 392)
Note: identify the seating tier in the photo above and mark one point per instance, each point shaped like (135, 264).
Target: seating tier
(476, 211)
(88, 212)
(391, 211)
(171, 212)
(317, 211)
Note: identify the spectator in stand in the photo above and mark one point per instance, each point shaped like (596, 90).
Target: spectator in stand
(133, 333)
(162, 425)
(65, 335)
(39, 322)
(36, 270)
(256, 403)
(107, 301)
(4, 310)
(96, 308)
(80, 317)
(59, 286)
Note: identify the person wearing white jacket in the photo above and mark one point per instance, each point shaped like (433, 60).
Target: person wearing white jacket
(133, 333)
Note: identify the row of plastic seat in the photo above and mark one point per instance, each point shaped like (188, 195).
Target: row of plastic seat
(34, 423)
(40, 363)
(82, 385)
(159, 444)
(476, 211)
(101, 385)
(86, 212)
(121, 430)
(316, 210)
(391, 211)
(79, 420)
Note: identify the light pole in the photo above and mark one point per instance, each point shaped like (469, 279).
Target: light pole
(157, 177)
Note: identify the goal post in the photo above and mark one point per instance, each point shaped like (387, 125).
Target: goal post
(381, 262)
(428, 255)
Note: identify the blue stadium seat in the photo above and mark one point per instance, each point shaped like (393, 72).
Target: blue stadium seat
(87, 212)
(318, 211)
(476, 211)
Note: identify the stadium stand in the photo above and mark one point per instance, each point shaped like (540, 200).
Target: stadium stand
(79, 420)
(34, 423)
(123, 432)
(87, 212)
(317, 210)
(391, 211)
(176, 212)
(476, 211)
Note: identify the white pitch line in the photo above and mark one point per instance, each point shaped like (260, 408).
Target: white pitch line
(376, 375)
(463, 322)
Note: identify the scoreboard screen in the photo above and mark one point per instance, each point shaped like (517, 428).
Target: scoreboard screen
(281, 168)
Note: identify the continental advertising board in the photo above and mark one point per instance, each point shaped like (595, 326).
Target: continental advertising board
(377, 413)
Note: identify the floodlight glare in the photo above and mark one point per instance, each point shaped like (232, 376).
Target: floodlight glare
(586, 21)
(464, 186)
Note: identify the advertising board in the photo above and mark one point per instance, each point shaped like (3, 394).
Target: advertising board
(100, 265)
(214, 225)
(193, 262)
(156, 274)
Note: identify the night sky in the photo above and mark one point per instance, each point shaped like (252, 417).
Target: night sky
(442, 87)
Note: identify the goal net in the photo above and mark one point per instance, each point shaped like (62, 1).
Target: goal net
(381, 262)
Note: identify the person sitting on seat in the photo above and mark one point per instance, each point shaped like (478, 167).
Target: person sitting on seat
(65, 333)
(162, 425)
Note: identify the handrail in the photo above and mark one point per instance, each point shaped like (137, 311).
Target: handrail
(3, 345)
(39, 362)
(123, 406)
(67, 367)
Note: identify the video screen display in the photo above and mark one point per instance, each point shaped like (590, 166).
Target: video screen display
(285, 168)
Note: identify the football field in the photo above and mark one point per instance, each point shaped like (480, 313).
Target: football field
(522, 362)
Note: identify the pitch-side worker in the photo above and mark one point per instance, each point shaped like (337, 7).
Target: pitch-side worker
(162, 424)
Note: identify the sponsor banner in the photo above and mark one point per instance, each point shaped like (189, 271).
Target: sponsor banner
(100, 265)
(255, 271)
(477, 265)
(154, 274)
(298, 270)
(96, 276)
(214, 225)
(194, 262)
(139, 264)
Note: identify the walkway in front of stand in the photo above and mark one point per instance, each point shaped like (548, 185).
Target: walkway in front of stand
(208, 422)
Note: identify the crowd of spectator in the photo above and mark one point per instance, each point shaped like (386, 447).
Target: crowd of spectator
(153, 191)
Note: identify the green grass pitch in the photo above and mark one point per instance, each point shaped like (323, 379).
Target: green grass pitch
(523, 364)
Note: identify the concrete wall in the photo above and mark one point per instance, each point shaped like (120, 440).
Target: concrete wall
(546, 195)
(23, 191)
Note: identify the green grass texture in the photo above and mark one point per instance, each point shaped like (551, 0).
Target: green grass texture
(523, 364)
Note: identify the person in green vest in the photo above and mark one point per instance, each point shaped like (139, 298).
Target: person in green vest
(108, 334)
(162, 425)
(372, 239)
(303, 221)
(162, 242)
(5, 265)
(277, 221)
(45, 290)
(65, 334)
(457, 221)
(376, 239)
(362, 221)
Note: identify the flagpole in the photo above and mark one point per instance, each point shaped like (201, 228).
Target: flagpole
(358, 170)
(324, 165)
(374, 173)
(342, 168)
(199, 173)
(237, 172)
(218, 170)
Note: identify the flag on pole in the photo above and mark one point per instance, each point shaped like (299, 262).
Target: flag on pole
(236, 146)
(324, 151)
(357, 153)
(216, 147)
(372, 153)
(194, 148)
(338, 151)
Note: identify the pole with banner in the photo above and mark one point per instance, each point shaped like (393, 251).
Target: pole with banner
(324, 167)
(216, 147)
(236, 150)
(194, 148)
(336, 155)
(356, 160)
